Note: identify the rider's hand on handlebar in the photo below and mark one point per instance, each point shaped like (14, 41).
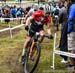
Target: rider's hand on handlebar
(50, 36)
(26, 28)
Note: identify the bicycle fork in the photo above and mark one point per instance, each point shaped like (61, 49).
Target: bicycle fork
(31, 48)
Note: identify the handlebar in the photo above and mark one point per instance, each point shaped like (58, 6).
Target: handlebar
(49, 36)
(26, 28)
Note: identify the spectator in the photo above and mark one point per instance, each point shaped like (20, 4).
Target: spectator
(13, 11)
(28, 8)
(22, 11)
(71, 34)
(55, 16)
(7, 14)
(19, 1)
(63, 20)
(0, 13)
(18, 13)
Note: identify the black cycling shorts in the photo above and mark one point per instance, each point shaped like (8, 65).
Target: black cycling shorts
(33, 30)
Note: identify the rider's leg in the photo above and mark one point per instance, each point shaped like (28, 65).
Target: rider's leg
(24, 50)
(25, 45)
(30, 35)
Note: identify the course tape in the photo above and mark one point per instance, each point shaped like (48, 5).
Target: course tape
(64, 53)
(11, 18)
(11, 28)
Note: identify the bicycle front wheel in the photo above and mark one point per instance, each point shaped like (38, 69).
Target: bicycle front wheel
(31, 61)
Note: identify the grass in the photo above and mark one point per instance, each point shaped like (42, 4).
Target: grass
(10, 51)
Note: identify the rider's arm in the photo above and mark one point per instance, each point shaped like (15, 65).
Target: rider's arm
(26, 17)
(28, 20)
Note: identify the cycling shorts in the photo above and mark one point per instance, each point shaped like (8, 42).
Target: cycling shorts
(34, 28)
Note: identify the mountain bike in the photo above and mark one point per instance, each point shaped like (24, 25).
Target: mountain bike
(32, 55)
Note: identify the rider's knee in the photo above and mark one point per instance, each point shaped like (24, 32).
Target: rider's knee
(28, 39)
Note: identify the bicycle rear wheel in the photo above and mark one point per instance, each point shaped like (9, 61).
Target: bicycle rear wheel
(32, 61)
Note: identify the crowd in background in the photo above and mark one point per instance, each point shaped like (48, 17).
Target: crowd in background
(15, 11)
(19, 11)
(12, 11)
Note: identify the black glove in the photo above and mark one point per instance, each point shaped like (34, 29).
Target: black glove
(26, 28)
(50, 37)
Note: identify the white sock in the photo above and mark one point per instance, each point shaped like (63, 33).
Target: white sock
(23, 51)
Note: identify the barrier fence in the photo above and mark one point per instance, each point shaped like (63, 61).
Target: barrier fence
(59, 53)
(12, 18)
(9, 28)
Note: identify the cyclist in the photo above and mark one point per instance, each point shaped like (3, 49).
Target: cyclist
(55, 14)
(37, 20)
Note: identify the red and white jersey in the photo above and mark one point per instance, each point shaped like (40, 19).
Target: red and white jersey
(38, 17)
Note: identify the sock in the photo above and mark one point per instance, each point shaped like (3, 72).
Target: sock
(23, 52)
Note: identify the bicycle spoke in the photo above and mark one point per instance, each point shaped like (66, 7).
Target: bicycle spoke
(32, 60)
